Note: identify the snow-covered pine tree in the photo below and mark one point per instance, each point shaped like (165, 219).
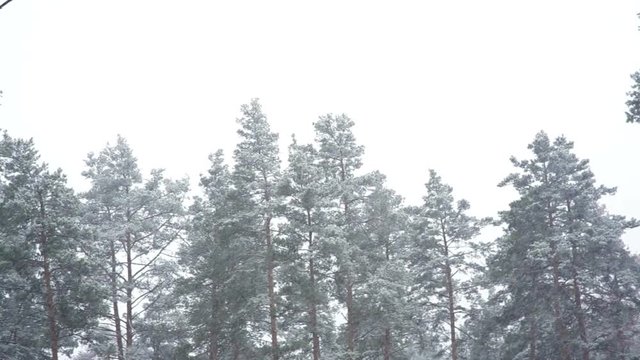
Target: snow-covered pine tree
(256, 175)
(445, 258)
(340, 157)
(220, 259)
(306, 260)
(386, 311)
(135, 221)
(557, 267)
(47, 296)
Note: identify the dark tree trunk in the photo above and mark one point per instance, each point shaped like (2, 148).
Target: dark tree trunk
(313, 311)
(557, 310)
(533, 338)
(213, 329)
(114, 299)
(270, 267)
(272, 297)
(129, 319)
(51, 309)
(561, 328)
(620, 344)
(351, 332)
(48, 287)
(451, 306)
(236, 349)
(386, 344)
(577, 295)
(213, 345)
(351, 326)
(351, 320)
(533, 324)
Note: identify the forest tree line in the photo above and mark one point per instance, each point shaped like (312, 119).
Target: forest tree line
(313, 260)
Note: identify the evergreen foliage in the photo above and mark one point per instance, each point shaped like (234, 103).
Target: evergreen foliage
(315, 260)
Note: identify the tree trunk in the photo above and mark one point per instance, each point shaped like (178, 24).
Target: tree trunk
(533, 338)
(351, 328)
(557, 311)
(313, 311)
(272, 297)
(451, 306)
(533, 324)
(114, 299)
(270, 266)
(452, 315)
(213, 329)
(386, 344)
(620, 347)
(236, 349)
(51, 308)
(48, 288)
(314, 326)
(129, 320)
(561, 328)
(213, 344)
(577, 296)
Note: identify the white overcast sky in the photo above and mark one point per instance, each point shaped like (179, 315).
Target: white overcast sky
(458, 86)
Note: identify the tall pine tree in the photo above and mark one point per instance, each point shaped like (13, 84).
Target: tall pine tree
(341, 158)
(135, 222)
(256, 174)
(555, 263)
(385, 308)
(446, 257)
(306, 257)
(48, 299)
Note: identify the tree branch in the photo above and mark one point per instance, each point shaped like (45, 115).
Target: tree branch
(5, 3)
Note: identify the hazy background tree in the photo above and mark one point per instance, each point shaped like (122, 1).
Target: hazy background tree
(633, 103)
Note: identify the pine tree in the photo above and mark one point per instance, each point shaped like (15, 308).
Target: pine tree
(219, 257)
(446, 256)
(557, 254)
(386, 311)
(205, 258)
(256, 175)
(633, 103)
(163, 327)
(135, 222)
(306, 259)
(341, 158)
(45, 283)
(21, 314)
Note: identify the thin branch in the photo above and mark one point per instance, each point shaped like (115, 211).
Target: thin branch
(5, 3)
(144, 295)
(152, 232)
(150, 262)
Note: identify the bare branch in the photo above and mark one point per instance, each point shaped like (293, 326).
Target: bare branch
(5, 3)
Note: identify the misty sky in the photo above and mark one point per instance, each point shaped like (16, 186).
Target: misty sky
(457, 86)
